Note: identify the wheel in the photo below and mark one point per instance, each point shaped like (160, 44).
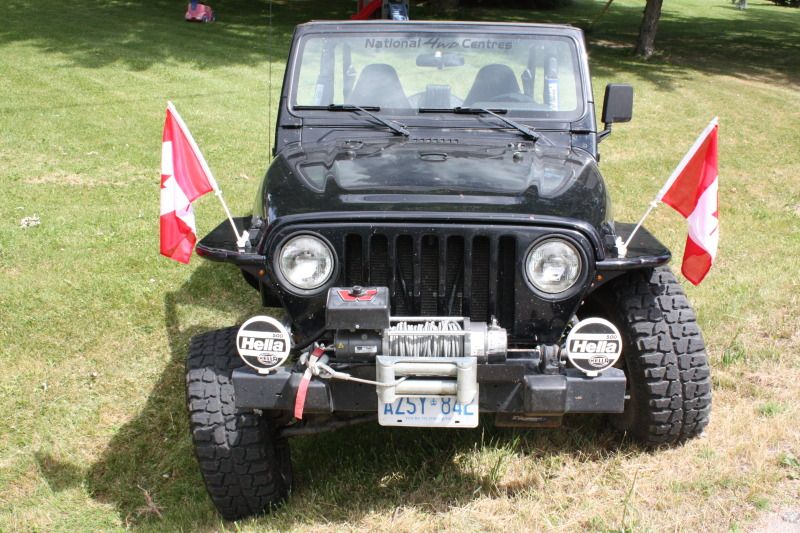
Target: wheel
(245, 466)
(664, 359)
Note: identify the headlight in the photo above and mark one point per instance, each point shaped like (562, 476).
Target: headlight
(306, 262)
(553, 266)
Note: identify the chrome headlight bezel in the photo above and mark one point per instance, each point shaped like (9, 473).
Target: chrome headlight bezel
(284, 278)
(580, 276)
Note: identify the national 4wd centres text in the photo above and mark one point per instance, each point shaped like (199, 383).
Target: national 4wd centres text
(439, 43)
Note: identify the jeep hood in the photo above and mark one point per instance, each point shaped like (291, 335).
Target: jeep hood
(402, 175)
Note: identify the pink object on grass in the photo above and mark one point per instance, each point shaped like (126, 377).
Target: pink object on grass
(201, 13)
(368, 10)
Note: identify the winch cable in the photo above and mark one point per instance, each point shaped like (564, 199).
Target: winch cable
(316, 366)
(428, 343)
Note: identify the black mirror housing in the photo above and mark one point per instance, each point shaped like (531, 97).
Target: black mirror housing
(618, 103)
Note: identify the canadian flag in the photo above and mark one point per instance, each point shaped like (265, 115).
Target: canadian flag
(185, 176)
(692, 192)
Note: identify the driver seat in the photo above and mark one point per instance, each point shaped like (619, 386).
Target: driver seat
(490, 82)
(379, 85)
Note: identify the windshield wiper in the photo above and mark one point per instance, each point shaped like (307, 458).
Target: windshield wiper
(528, 131)
(396, 127)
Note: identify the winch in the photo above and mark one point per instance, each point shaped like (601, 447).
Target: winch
(363, 329)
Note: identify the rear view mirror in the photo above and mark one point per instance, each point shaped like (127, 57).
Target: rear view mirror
(618, 103)
(440, 60)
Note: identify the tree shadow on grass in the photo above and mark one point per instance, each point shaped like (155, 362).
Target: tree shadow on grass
(757, 43)
(140, 34)
(148, 472)
(760, 43)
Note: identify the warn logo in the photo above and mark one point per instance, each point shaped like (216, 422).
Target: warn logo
(351, 296)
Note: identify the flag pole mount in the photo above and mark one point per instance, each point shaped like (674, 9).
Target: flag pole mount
(241, 238)
(622, 246)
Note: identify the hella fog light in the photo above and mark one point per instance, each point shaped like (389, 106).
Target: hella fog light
(553, 266)
(306, 262)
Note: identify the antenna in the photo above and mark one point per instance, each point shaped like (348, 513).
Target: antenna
(270, 125)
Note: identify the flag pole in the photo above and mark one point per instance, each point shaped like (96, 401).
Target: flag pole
(622, 247)
(241, 239)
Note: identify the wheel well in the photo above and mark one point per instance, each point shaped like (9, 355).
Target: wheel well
(250, 279)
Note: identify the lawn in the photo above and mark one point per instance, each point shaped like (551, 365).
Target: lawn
(95, 323)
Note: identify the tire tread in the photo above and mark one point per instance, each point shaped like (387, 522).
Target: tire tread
(670, 367)
(239, 457)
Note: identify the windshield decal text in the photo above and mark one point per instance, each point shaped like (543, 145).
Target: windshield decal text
(438, 43)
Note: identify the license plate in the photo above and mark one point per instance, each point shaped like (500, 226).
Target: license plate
(429, 411)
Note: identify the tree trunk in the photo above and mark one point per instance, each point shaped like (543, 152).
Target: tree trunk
(647, 31)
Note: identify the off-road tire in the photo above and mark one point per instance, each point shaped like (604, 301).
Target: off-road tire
(246, 468)
(664, 359)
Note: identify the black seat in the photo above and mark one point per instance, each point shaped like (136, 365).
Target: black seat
(379, 85)
(490, 82)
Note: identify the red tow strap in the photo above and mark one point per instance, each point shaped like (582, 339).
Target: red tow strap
(302, 390)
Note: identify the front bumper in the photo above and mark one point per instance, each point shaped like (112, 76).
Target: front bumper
(510, 388)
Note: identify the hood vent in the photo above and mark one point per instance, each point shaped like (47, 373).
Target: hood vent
(431, 140)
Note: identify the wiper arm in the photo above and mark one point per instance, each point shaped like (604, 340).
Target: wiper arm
(522, 128)
(391, 124)
(367, 110)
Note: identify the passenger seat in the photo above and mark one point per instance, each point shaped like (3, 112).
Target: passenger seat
(379, 85)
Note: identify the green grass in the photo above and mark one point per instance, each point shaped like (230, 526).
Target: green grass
(770, 409)
(95, 323)
(790, 463)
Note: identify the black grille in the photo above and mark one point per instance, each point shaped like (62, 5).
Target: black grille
(437, 274)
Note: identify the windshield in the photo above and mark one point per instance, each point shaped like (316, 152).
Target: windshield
(527, 75)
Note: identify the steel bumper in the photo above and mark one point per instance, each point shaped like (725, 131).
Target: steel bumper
(506, 388)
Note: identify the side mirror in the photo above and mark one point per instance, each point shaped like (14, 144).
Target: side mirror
(617, 106)
(618, 103)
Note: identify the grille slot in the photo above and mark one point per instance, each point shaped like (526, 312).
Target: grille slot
(353, 259)
(480, 279)
(505, 264)
(455, 277)
(378, 270)
(429, 282)
(404, 275)
(437, 274)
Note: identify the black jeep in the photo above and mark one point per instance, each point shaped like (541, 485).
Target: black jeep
(436, 229)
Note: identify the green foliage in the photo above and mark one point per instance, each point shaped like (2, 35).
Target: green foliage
(733, 353)
(771, 409)
(787, 3)
(791, 463)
